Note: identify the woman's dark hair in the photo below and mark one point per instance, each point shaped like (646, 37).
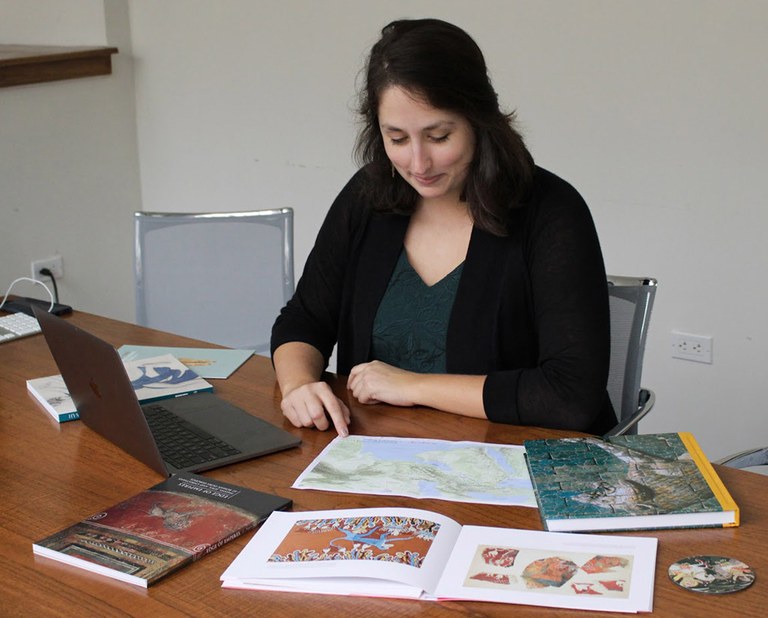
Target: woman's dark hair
(440, 63)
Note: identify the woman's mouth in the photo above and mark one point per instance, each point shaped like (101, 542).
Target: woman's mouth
(426, 180)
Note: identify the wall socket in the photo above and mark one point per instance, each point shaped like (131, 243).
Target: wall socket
(54, 263)
(692, 347)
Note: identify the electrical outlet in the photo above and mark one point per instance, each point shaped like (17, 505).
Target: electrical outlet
(54, 263)
(692, 347)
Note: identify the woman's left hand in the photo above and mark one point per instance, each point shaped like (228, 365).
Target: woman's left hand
(377, 382)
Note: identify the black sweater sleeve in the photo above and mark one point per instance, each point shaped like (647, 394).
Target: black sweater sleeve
(312, 315)
(545, 352)
(565, 386)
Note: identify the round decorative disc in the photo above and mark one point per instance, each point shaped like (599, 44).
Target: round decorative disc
(711, 574)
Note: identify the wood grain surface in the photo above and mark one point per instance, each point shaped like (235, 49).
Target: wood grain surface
(53, 475)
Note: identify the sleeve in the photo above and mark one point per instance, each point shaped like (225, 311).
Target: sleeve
(566, 387)
(312, 314)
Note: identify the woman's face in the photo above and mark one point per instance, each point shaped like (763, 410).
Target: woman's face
(430, 148)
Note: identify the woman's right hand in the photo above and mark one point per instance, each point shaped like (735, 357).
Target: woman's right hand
(312, 404)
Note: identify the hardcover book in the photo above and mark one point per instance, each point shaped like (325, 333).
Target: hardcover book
(153, 379)
(161, 529)
(417, 554)
(629, 482)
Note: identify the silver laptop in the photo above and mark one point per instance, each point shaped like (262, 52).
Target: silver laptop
(191, 433)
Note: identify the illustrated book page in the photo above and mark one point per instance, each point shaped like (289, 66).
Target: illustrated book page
(368, 552)
(420, 468)
(411, 553)
(598, 573)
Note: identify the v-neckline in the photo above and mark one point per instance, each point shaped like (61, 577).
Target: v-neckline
(448, 275)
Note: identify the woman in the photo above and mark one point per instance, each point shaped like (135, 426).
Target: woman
(451, 271)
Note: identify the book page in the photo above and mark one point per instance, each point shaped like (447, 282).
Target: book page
(420, 468)
(347, 552)
(578, 571)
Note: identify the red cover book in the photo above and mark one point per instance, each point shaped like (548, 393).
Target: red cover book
(161, 529)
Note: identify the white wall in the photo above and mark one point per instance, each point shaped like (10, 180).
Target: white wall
(68, 159)
(654, 110)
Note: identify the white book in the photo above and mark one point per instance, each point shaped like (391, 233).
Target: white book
(153, 379)
(417, 554)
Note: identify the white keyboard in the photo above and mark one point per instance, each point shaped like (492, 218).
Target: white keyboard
(17, 325)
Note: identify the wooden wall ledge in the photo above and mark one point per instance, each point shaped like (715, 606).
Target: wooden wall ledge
(32, 64)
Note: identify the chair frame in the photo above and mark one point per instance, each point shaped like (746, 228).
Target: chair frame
(281, 218)
(746, 459)
(636, 401)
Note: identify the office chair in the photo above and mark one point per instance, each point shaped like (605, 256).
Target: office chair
(219, 277)
(754, 460)
(630, 299)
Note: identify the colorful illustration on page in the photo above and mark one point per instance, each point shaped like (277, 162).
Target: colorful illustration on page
(404, 540)
(532, 570)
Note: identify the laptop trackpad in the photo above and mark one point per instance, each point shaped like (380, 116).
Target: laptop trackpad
(230, 423)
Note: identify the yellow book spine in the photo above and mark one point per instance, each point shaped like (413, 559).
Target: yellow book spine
(709, 474)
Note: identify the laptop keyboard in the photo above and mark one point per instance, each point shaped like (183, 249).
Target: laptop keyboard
(181, 443)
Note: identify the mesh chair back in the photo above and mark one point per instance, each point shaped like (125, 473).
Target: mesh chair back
(219, 277)
(631, 300)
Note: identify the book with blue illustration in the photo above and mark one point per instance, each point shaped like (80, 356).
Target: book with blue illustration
(153, 379)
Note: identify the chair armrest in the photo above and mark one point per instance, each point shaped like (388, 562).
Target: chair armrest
(646, 400)
(745, 459)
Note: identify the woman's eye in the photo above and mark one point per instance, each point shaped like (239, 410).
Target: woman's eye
(435, 139)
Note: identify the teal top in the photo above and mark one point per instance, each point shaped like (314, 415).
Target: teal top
(409, 330)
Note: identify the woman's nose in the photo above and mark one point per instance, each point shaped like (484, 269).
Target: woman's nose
(420, 160)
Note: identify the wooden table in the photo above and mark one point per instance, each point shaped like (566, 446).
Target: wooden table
(53, 475)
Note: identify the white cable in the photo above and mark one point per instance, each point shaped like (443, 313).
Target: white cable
(15, 281)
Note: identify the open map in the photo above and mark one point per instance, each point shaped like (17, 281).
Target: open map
(456, 471)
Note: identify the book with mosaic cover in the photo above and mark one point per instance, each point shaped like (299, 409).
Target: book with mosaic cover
(630, 482)
(418, 554)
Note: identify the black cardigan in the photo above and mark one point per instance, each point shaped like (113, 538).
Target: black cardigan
(531, 310)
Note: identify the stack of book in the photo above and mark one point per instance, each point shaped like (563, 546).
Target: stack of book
(153, 379)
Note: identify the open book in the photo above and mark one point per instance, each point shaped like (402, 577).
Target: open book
(411, 553)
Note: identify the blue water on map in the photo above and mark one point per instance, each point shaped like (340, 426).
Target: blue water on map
(387, 450)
